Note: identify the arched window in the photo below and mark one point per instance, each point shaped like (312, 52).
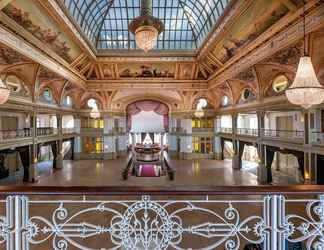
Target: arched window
(280, 84)
(225, 101)
(92, 103)
(47, 95)
(67, 101)
(16, 85)
(247, 95)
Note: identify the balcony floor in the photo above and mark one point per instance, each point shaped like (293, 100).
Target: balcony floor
(101, 173)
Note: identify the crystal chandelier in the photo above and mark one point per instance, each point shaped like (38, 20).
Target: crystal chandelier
(306, 90)
(146, 27)
(95, 114)
(4, 93)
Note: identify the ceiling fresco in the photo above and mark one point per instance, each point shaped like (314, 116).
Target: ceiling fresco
(260, 15)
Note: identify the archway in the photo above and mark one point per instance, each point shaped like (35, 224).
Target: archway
(147, 116)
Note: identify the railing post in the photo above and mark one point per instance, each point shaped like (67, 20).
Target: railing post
(16, 213)
(276, 212)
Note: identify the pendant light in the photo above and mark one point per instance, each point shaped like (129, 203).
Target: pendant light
(146, 27)
(306, 90)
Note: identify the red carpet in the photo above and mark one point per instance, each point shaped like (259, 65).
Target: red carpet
(149, 170)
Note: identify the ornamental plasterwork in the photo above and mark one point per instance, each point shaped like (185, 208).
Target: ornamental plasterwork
(22, 47)
(279, 42)
(70, 26)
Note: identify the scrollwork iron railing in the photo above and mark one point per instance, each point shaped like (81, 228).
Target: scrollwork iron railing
(147, 218)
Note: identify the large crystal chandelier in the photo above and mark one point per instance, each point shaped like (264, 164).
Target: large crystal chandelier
(306, 90)
(95, 114)
(146, 27)
(4, 93)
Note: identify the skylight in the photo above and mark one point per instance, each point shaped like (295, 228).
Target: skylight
(187, 22)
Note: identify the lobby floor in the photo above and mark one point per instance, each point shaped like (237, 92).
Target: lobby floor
(108, 173)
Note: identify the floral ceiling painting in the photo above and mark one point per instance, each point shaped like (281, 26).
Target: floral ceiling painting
(149, 70)
(260, 15)
(27, 15)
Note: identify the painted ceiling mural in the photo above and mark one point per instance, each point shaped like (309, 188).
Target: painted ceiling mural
(28, 15)
(261, 15)
(149, 70)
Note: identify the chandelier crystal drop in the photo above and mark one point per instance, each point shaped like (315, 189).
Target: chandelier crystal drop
(4, 93)
(306, 90)
(146, 28)
(95, 114)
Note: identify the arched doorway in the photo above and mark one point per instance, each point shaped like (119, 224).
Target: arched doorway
(147, 116)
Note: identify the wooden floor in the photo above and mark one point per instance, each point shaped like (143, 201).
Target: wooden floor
(98, 173)
(108, 173)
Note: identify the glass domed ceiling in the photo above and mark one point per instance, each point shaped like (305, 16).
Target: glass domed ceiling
(187, 22)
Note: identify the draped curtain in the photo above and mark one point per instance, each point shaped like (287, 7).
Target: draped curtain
(148, 105)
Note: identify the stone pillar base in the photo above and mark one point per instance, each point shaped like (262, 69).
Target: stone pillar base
(262, 173)
(33, 175)
(77, 156)
(110, 156)
(236, 162)
(218, 156)
(59, 161)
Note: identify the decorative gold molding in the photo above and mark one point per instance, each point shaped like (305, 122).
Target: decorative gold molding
(163, 84)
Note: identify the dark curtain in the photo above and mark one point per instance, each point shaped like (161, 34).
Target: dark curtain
(152, 137)
(269, 160)
(143, 137)
(54, 151)
(222, 148)
(72, 149)
(240, 152)
(25, 160)
(300, 159)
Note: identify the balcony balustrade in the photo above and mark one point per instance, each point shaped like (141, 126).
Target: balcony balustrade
(247, 131)
(45, 131)
(153, 218)
(13, 134)
(225, 130)
(284, 134)
(317, 137)
(68, 130)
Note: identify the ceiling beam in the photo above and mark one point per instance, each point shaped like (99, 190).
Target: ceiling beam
(281, 37)
(4, 3)
(21, 46)
(289, 4)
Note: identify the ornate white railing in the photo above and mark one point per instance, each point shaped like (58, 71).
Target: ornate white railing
(162, 219)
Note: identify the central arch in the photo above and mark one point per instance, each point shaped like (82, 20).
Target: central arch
(148, 108)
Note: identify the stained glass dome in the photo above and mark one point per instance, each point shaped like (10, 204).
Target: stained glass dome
(105, 22)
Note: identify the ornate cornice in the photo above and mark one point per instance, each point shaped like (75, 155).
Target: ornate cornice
(163, 84)
(129, 58)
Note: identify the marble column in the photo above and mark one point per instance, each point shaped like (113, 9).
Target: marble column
(109, 139)
(261, 171)
(59, 159)
(33, 174)
(236, 157)
(186, 139)
(77, 139)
